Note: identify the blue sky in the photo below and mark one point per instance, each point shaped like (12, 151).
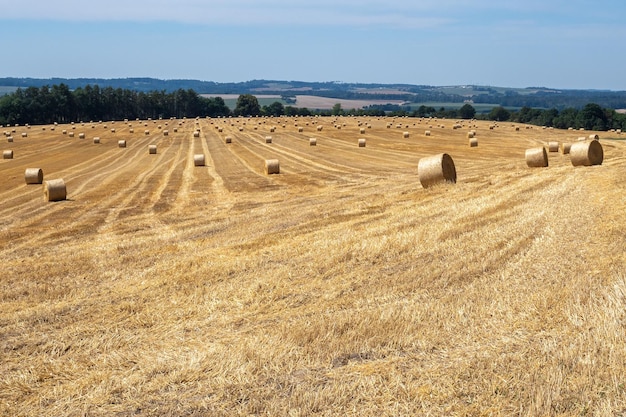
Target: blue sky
(552, 43)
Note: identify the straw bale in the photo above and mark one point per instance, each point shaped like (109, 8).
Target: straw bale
(8, 154)
(436, 169)
(272, 166)
(152, 149)
(553, 146)
(33, 175)
(198, 160)
(54, 190)
(537, 157)
(586, 153)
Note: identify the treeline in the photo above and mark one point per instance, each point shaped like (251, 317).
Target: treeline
(44, 105)
(591, 116)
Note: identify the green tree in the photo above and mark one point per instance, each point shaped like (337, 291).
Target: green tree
(247, 105)
(274, 109)
(337, 110)
(499, 114)
(467, 111)
(592, 117)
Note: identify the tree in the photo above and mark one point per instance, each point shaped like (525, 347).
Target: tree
(337, 110)
(247, 105)
(499, 114)
(592, 117)
(274, 109)
(467, 111)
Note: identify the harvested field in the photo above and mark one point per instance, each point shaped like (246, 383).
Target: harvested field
(338, 287)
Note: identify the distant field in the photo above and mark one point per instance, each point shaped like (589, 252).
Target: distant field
(310, 102)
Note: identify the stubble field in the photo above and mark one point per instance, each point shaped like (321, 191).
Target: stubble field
(338, 287)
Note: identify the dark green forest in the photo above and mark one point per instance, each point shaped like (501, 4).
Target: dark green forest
(59, 103)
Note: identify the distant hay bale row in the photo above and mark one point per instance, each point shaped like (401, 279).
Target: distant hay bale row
(436, 169)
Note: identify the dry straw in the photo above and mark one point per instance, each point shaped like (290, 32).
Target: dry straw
(473, 142)
(196, 134)
(565, 148)
(166, 132)
(319, 128)
(436, 169)
(470, 134)
(427, 133)
(33, 175)
(362, 131)
(146, 132)
(54, 190)
(553, 146)
(228, 139)
(593, 136)
(24, 134)
(71, 134)
(10, 139)
(7, 154)
(405, 135)
(121, 143)
(272, 166)
(198, 160)
(313, 142)
(96, 140)
(300, 129)
(152, 149)
(268, 139)
(81, 136)
(586, 153)
(361, 143)
(537, 157)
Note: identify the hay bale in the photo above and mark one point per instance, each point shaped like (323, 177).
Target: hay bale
(96, 140)
(33, 175)
(10, 139)
(594, 136)
(473, 142)
(268, 139)
(537, 157)
(228, 139)
(81, 136)
(166, 132)
(312, 142)
(121, 143)
(565, 148)
(361, 143)
(586, 153)
(362, 131)
(24, 134)
(113, 130)
(198, 160)
(131, 130)
(581, 138)
(7, 154)
(54, 190)
(71, 134)
(152, 149)
(436, 169)
(427, 133)
(300, 129)
(470, 134)
(319, 128)
(272, 166)
(196, 134)
(146, 132)
(405, 135)
(553, 146)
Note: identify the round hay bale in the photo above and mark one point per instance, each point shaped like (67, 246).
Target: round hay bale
(10, 139)
(473, 142)
(362, 143)
(113, 130)
(166, 132)
(586, 153)
(300, 129)
(81, 136)
(24, 134)
(198, 160)
(54, 190)
(33, 175)
(319, 128)
(362, 131)
(312, 142)
(436, 169)
(64, 131)
(131, 130)
(537, 157)
(405, 135)
(7, 154)
(470, 134)
(565, 148)
(96, 140)
(427, 133)
(196, 134)
(146, 132)
(272, 166)
(553, 146)
(594, 136)
(152, 149)
(121, 143)
(268, 139)
(175, 130)
(228, 139)
(71, 134)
